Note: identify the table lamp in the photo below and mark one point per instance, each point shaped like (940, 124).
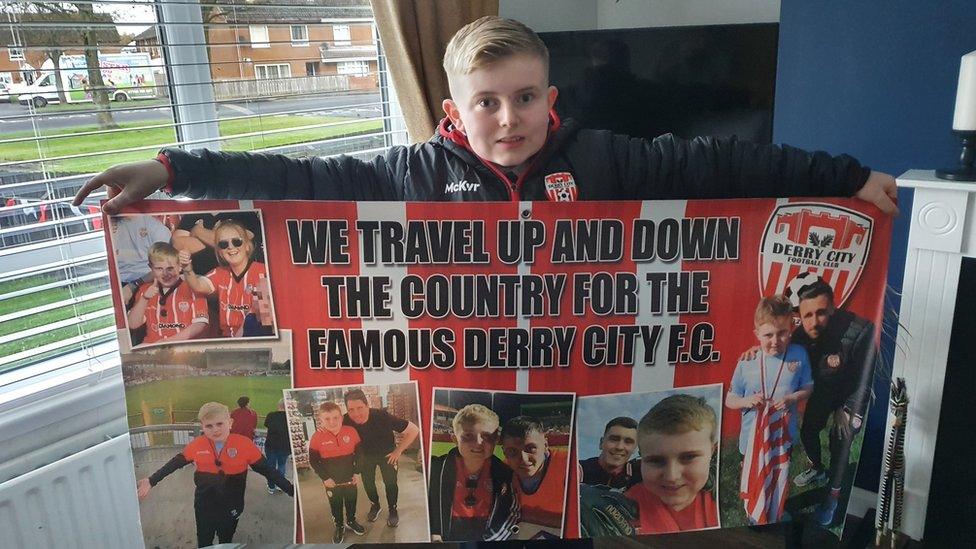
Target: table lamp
(964, 122)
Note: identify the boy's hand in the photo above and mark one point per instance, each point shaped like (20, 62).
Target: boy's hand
(142, 488)
(749, 354)
(754, 400)
(185, 260)
(880, 189)
(329, 483)
(393, 456)
(781, 403)
(150, 292)
(354, 481)
(126, 183)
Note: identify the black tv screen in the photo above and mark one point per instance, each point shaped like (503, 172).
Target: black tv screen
(695, 80)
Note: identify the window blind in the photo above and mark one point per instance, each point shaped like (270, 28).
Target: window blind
(295, 77)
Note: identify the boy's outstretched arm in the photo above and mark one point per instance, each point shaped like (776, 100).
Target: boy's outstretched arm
(145, 485)
(261, 467)
(237, 175)
(669, 167)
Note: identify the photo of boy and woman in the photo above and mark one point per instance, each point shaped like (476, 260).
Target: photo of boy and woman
(802, 394)
(671, 484)
(218, 410)
(356, 441)
(192, 276)
(499, 464)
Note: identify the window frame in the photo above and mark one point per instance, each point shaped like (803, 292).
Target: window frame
(252, 30)
(299, 42)
(277, 66)
(346, 40)
(19, 56)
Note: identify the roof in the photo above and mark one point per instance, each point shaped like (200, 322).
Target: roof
(293, 11)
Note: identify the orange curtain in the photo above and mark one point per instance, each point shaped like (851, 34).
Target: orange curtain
(414, 35)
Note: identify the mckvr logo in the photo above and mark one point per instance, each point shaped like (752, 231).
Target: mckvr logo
(461, 186)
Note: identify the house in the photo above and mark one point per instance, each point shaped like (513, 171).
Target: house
(295, 47)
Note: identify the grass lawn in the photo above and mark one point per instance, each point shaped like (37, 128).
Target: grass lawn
(44, 297)
(802, 500)
(138, 135)
(185, 396)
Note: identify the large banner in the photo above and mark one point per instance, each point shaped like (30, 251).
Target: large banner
(492, 371)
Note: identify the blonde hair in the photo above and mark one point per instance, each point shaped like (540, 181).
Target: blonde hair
(772, 307)
(160, 251)
(328, 407)
(247, 237)
(211, 410)
(474, 413)
(489, 39)
(679, 414)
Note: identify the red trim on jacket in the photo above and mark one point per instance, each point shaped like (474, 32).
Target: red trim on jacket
(447, 130)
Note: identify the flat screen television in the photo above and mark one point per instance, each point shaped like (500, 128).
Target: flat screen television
(692, 80)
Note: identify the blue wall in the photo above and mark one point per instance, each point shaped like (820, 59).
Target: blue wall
(875, 79)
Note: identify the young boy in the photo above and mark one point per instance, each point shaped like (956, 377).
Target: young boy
(167, 306)
(677, 439)
(333, 452)
(502, 137)
(221, 461)
(470, 492)
(767, 388)
(540, 472)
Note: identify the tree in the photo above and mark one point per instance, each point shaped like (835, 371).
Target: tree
(87, 31)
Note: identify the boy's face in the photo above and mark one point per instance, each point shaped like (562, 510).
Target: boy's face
(503, 108)
(331, 421)
(165, 270)
(216, 428)
(675, 467)
(525, 456)
(774, 336)
(617, 445)
(476, 441)
(358, 411)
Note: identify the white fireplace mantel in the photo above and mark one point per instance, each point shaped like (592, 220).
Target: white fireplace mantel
(943, 231)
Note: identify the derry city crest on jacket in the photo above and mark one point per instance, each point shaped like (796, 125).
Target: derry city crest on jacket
(561, 187)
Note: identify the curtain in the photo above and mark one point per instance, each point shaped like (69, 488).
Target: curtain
(414, 35)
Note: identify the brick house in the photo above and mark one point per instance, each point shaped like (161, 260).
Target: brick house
(305, 47)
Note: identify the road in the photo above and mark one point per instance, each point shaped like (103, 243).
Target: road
(358, 105)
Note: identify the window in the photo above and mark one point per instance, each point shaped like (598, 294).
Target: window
(55, 300)
(299, 35)
(259, 36)
(15, 53)
(270, 72)
(341, 35)
(353, 68)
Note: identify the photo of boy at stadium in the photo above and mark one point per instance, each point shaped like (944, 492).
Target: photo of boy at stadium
(168, 307)
(540, 471)
(767, 388)
(471, 493)
(678, 441)
(222, 460)
(333, 452)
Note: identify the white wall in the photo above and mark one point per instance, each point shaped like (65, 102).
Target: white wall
(566, 15)
(551, 15)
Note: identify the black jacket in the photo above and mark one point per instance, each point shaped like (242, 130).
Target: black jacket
(849, 343)
(505, 511)
(604, 166)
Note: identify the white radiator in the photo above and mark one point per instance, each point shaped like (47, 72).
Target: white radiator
(66, 474)
(85, 500)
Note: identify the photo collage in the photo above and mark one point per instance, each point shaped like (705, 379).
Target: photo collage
(209, 384)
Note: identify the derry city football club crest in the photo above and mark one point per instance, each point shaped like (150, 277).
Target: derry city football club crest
(827, 240)
(561, 187)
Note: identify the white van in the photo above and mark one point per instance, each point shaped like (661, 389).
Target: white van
(126, 75)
